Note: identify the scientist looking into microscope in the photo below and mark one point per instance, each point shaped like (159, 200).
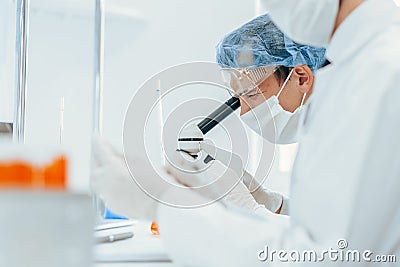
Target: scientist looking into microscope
(271, 105)
(345, 178)
(273, 77)
(275, 100)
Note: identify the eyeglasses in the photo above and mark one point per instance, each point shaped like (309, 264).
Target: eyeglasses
(243, 81)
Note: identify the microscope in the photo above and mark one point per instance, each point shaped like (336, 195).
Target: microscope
(192, 141)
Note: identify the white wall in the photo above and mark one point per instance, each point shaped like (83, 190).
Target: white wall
(147, 37)
(174, 32)
(7, 26)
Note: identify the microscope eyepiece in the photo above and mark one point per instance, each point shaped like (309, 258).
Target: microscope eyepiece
(219, 114)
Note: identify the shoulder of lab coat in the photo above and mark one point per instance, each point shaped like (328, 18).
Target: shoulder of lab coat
(346, 178)
(378, 192)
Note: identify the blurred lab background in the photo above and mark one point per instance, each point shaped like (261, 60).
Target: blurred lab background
(141, 39)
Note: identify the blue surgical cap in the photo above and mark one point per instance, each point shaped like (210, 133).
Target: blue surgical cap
(260, 43)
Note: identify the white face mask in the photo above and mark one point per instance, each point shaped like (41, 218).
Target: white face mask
(272, 122)
(309, 22)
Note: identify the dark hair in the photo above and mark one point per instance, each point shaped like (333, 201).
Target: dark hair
(282, 73)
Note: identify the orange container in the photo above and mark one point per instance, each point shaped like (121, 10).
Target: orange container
(22, 174)
(154, 229)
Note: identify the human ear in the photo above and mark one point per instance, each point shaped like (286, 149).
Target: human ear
(304, 78)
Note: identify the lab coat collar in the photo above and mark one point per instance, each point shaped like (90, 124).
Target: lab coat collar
(367, 21)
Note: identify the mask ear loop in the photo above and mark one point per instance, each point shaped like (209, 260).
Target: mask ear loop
(284, 84)
(302, 100)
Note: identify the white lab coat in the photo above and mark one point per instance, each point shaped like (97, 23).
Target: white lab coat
(346, 178)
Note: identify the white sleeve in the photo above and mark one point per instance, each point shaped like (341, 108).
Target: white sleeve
(217, 236)
(285, 205)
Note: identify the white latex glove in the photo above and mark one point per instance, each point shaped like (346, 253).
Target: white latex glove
(112, 182)
(273, 201)
(213, 181)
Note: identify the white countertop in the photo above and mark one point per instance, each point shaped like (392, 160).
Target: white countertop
(143, 249)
